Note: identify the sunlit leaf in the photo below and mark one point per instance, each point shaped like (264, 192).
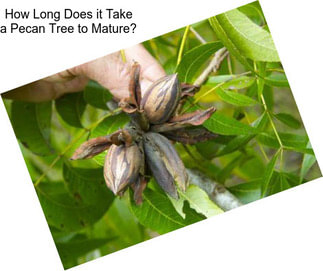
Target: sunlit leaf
(157, 213)
(198, 200)
(249, 39)
(235, 98)
(224, 125)
(224, 37)
(231, 81)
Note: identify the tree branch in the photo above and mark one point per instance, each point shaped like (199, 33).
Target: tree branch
(216, 192)
(213, 66)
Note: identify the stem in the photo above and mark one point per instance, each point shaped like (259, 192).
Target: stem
(275, 70)
(216, 192)
(83, 132)
(281, 146)
(259, 145)
(123, 56)
(262, 150)
(69, 146)
(229, 64)
(181, 48)
(197, 35)
(281, 159)
(271, 121)
(213, 66)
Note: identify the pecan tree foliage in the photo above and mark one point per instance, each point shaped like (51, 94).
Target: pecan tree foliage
(144, 142)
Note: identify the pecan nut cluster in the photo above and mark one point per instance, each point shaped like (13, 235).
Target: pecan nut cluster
(144, 148)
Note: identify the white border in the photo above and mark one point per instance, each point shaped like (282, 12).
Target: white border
(282, 232)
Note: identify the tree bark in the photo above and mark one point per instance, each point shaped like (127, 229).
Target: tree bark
(216, 192)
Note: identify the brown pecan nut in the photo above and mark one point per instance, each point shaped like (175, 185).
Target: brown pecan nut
(161, 99)
(164, 162)
(121, 167)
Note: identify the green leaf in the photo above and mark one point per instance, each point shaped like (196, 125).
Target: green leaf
(254, 12)
(208, 149)
(88, 187)
(157, 213)
(230, 81)
(268, 174)
(71, 107)
(108, 126)
(191, 216)
(194, 59)
(198, 200)
(277, 80)
(96, 95)
(224, 125)
(290, 141)
(288, 120)
(278, 183)
(121, 221)
(235, 98)
(250, 39)
(252, 168)
(64, 212)
(32, 125)
(224, 37)
(170, 65)
(308, 161)
(225, 172)
(78, 246)
(261, 66)
(235, 144)
(241, 140)
(247, 192)
(209, 168)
